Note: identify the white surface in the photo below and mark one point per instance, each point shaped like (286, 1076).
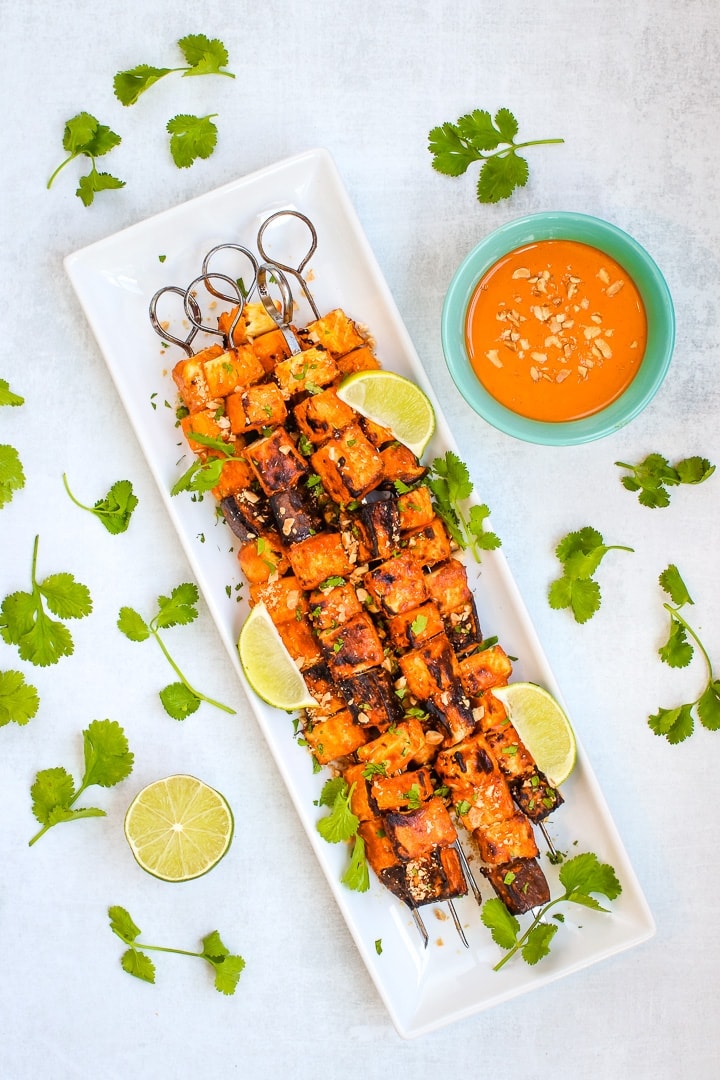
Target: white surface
(115, 280)
(633, 90)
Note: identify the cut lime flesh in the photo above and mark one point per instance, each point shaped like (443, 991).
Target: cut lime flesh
(268, 666)
(394, 402)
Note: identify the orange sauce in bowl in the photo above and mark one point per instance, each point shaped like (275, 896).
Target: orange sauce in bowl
(556, 330)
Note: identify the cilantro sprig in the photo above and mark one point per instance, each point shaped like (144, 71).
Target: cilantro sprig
(227, 968)
(202, 476)
(341, 824)
(12, 477)
(25, 622)
(115, 509)
(19, 700)
(85, 136)
(450, 483)
(581, 876)
(108, 761)
(580, 553)
(204, 56)
(476, 136)
(677, 724)
(652, 477)
(179, 699)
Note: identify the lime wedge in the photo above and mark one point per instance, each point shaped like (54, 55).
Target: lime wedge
(543, 726)
(268, 666)
(178, 828)
(394, 402)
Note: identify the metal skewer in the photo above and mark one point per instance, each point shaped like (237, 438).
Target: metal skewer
(192, 308)
(282, 317)
(468, 872)
(207, 274)
(420, 925)
(458, 927)
(296, 271)
(184, 343)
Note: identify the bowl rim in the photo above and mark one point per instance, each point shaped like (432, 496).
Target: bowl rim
(638, 264)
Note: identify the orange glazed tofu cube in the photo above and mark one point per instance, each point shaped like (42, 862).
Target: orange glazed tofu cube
(400, 463)
(232, 369)
(352, 648)
(284, 598)
(322, 687)
(416, 508)
(506, 840)
(323, 415)
(414, 833)
(396, 747)
(430, 544)
(483, 669)
(206, 423)
(447, 583)
(270, 349)
(399, 791)
(305, 371)
(225, 321)
(359, 801)
(333, 607)
(235, 475)
(257, 320)
(300, 642)
(276, 462)
(189, 377)
(318, 558)
(334, 737)
(335, 332)
(397, 585)
(362, 359)
(262, 558)
(413, 627)
(348, 465)
(378, 435)
(263, 406)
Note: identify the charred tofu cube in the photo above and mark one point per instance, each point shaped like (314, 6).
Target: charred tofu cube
(447, 583)
(362, 359)
(322, 416)
(484, 669)
(399, 463)
(352, 648)
(503, 841)
(300, 642)
(414, 833)
(336, 332)
(248, 514)
(378, 435)
(397, 585)
(372, 699)
(232, 369)
(412, 628)
(189, 377)
(263, 558)
(235, 475)
(270, 349)
(396, 748)
(318, 558)
(334, 606)
(256, 408)
(520, 884)
(379, 852)
(276, 462)
(324, 689)
(204, 423)
(535, 795)
(405, 790)
(436, 875)
(430, 543)
(379, 520)
(480, 791)
(334, 737)
(432, 676)
(283, 598)
(416, 509)
(295, 515)
(305, 371)
(348, 465)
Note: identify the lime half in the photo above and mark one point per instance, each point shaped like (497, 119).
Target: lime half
(543, 727)
(268, 666)
(178, 828)
(394, 402)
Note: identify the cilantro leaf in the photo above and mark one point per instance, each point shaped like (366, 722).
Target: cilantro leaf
(132, 625)
(179, 608)
(85, 136)
(451, 486)
(7, 397)
(228, 968)
(585, 874)
(675, 724)
(694, 470)
(115, 509)
(12, 477)
(708, 706)
(24, 622)
(178, 701)
(90, 185)
(503, 926)
(537, 943)
(677, 650)
(580, 553)
(201, 476)
(50, 789)
(129, 85)
(583, 596)
(204, 56)
(331, 789)
(652, 477)
(19, 701)
(191, 137)
(138, 964)
(122, 924)
(477, 136)
(341, 823)
(673, 584)
(357, 876)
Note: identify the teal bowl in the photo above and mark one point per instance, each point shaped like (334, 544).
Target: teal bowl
(639, 266)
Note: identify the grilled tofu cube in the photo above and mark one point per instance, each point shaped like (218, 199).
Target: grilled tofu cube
(480, 791)
(262, 558)
(248, 514)
(430, 544)
(485, 668)
(276, 462)
(270, 349)
(395, 749)
(235, 475)
(334, 737)
(503, 841)
(318, 558)
(510, 752)
(336, 332)
(397, 585)
(416, 509)
(362, 359)
(399, 463)
(437, 875)
(412, 628)
(447, 583)
(258, 407)
(372, 699)
(322, 416)
(402, 791)
(334, 606)
(414, 833)
(189, 377)
(379, 852)
(352, 648)
(348, 465)
(379, 521)
(305, 371)
(295, 515)
(204, 422)
(431, 669)
(283, 598)
(232, 369)
(225, 322)
(324, 689)
(300, 642)
(520, 884)
(535, 795)
(257, 320)
(377, 434)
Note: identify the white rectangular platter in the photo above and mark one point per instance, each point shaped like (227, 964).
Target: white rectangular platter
(422, 988)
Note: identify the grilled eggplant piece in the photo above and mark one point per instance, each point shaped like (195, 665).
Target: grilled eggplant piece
(520, 884)
(296, 518)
